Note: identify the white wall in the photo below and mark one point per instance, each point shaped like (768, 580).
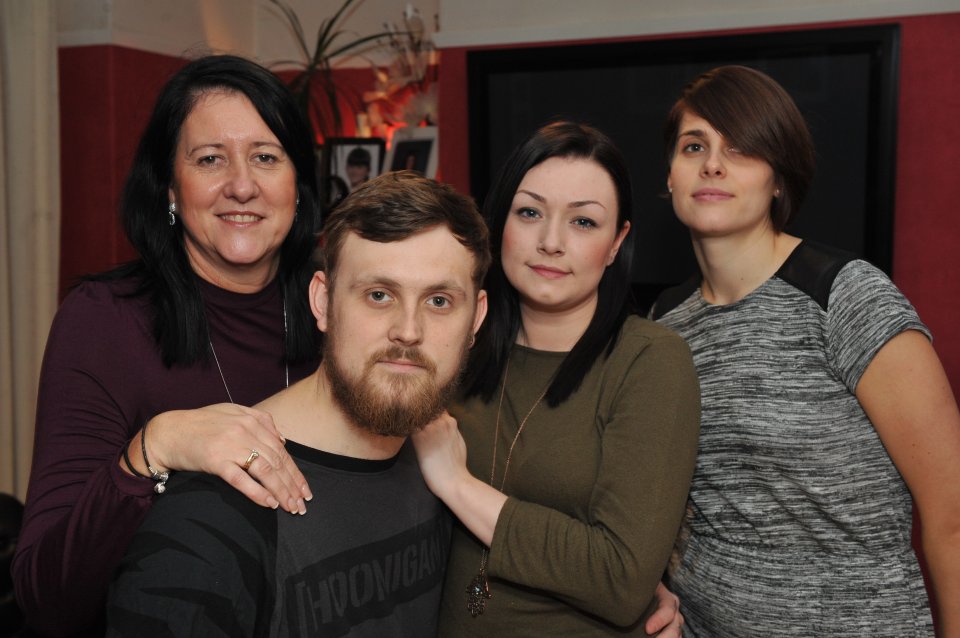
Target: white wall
(173, 27)
(479, 22)
(254, 28)
(363, 18)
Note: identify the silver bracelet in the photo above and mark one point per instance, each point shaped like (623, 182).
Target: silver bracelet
(159, 477)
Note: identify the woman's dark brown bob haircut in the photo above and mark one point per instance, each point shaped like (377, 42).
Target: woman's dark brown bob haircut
(755, 115)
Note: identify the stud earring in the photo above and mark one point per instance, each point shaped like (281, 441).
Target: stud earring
(171, 210)
(670, 189)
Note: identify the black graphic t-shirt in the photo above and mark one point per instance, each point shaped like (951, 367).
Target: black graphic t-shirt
(367, 559)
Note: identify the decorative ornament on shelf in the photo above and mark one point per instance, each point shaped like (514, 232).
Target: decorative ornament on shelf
(405, 92)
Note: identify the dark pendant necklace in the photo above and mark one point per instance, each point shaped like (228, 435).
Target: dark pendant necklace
(478, 591)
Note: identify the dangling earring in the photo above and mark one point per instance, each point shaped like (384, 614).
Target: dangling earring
(296, 211)
(171, 210)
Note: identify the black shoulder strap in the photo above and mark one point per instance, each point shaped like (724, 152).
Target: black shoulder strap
(811, 269)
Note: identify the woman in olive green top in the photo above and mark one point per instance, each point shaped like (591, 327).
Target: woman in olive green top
(581, 420)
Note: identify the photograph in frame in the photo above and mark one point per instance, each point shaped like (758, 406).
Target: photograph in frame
(354, 160)
(414, 148)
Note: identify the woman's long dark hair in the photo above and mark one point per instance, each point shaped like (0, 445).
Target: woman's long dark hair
(163, 270)
(499, 330)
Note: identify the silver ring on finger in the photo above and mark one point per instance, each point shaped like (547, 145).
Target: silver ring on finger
(254, 455)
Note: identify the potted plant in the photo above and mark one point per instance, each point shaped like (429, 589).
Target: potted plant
(314, 85)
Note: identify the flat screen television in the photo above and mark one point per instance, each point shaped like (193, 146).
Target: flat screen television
(843, 80)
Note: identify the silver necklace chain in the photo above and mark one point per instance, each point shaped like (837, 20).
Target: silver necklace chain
(286, 365)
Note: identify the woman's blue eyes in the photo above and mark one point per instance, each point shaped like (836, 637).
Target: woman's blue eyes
(580, 222)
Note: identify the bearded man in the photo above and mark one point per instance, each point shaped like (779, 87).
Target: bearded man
(399, 299)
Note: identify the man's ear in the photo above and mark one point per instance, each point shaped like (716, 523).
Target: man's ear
(319, 299)
(481, 311)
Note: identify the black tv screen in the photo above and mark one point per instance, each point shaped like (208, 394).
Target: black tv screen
(843, 80)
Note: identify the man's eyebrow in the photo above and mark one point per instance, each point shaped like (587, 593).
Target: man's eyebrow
(375, 280)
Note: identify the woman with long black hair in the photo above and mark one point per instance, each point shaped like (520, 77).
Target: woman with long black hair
(580, 418)
(148, 367)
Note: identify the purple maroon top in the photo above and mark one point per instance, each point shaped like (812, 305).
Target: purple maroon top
(102, 379)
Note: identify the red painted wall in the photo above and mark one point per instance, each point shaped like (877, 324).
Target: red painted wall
(106, 95)
(926, 262)
(926, 218)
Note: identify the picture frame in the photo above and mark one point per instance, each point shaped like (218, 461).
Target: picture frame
(346, 157)
(414, 148)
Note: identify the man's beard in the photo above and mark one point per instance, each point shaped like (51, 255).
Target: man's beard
(401, 404)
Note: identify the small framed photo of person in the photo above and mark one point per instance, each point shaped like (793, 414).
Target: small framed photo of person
(355, 159)
(414, 148)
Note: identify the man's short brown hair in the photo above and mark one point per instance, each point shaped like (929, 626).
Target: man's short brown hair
(394, 206)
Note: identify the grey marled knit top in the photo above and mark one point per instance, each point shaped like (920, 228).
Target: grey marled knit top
(798, 522)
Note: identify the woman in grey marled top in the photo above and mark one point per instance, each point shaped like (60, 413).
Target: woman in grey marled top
(825, 406)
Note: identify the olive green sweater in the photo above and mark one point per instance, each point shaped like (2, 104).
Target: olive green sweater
(597, 488)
